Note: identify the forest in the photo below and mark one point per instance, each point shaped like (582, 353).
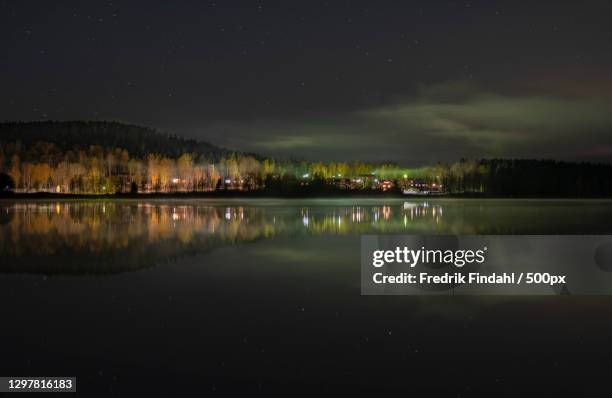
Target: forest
(110, 157)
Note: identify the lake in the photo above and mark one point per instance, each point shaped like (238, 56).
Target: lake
(260, 296)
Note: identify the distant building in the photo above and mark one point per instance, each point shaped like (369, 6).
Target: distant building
(342, 183)
(421, 187)
(362, 181)
(386, 185)
(233, 183)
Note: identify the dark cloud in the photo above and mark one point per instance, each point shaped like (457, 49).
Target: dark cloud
(444, 122)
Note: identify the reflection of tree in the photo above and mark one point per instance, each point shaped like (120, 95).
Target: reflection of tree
(103, 236)
(44, 237)
(99, 226)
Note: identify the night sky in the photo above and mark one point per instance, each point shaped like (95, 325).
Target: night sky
(407, 81)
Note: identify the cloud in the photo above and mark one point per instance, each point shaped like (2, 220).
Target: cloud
(444, 122)
(288, 142)
(505, 126)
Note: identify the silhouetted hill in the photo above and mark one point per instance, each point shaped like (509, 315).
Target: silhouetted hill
(137, 140)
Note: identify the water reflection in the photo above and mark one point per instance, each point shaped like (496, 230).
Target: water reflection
(114, 236)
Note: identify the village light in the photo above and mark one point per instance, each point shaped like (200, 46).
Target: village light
(305, 175)
(175, 180)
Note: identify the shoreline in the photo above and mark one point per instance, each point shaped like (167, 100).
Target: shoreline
(267, 195)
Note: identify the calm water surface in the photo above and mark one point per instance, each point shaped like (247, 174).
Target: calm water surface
(263, 295)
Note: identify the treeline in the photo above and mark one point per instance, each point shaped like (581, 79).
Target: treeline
(108, 157)
(529, 178)
(46, 167)
(101, 157)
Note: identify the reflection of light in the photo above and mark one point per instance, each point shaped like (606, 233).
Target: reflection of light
(80, 224)
(409, 205)
(386, 212)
